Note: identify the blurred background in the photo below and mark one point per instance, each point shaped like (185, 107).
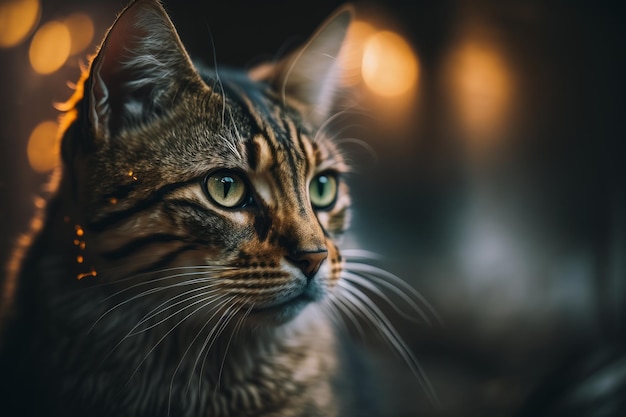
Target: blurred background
(489, 175)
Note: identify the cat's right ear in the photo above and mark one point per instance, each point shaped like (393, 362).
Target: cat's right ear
(309, 76)
(137, 71)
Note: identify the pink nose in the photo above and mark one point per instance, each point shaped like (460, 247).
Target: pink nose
(308, 261)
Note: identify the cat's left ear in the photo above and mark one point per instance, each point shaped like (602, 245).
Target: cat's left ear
(138, 70)
(310, 75)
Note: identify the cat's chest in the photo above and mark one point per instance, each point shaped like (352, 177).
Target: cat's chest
(153, 373)
(291, 376)
(275, 390)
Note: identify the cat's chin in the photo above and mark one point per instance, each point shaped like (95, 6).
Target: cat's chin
(286, 308)
(282, 313)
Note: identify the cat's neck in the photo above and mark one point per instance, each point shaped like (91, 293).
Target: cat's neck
(277, 367)
(288, 369)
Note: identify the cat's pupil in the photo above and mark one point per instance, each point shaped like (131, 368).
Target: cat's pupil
(227, 182)
(322, 184)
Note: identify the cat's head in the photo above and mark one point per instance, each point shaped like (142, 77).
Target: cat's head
(221, 190)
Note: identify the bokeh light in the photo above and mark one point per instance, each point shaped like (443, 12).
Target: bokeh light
(50, 47)
(81, 29)
(43, 146)
(480, 86)
(17, 20)
(390, 67)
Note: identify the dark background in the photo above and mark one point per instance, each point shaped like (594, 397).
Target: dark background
(516, 236)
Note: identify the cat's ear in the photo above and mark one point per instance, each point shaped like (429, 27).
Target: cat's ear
(137, 70)
(310, 75)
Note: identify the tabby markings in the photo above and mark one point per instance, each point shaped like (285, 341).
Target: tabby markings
(164, 261)
(119, 216)
(138, 244)
(275, 143)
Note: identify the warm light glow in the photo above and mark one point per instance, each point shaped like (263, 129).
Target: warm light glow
(390, 66)
(91, 273)
(352, 53)
(17, 20)
(81, 31)
(43, 146)
(481, 88)
(50, 47)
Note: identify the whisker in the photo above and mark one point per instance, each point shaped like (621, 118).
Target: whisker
(357, 279)
(329, 308)
(384, 327)
(107, 276)
(152, 281)
(235, 330)
(216, 309)
(215, 69)
(152, 315)
(336, 134)
(379, 275)
(165, 335)
(111, 271)
(343, 307)
(149, 292)
(218, 333)
(361, 254)
(132, 331)
(214, 330)
(368, 148)
(231, 144)
(332, 119)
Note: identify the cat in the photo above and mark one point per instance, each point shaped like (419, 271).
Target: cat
(186, 262)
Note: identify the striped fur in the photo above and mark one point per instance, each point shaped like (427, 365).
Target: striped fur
(140, 295)
(146, 290)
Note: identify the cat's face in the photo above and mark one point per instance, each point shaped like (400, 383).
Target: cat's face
(219, 191)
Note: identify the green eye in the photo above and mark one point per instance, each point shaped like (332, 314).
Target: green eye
(323, 191)
(227, 189)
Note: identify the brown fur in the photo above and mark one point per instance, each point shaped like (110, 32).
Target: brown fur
(139, 295)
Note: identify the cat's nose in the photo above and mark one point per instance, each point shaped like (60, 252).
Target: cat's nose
(308, 261)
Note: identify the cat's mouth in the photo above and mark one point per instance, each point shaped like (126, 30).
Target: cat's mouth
(285, 310)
